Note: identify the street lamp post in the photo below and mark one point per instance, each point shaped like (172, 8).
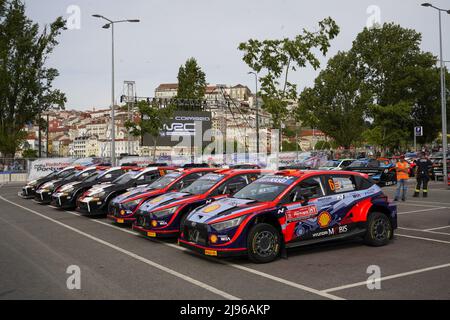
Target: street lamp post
(113, 125)
(257, 112)
(443, 93)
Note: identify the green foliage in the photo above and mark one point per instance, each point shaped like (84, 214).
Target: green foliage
(29, 154)
(397, 74)
(277, 57)
(291, 147)
(191, 81)
(25, 82)
(322, 145)
(336, 105)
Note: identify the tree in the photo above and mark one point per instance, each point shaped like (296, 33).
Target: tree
(398, 75)
(29, 154)
(276, 58)
(191, 81)
(153, 117)
(25, 81)
(336, 104)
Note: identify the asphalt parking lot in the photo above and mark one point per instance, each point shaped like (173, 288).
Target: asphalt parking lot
(38, 244)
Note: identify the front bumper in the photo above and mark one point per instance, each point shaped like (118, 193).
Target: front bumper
(212, 251)
(114, 213)
(43, 197)
(151, 233)
(62, 200)
(89, 206)
(27, 192)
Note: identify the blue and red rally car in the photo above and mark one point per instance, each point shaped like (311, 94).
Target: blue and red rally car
(162, 216)
(122, 208)
(290, 209)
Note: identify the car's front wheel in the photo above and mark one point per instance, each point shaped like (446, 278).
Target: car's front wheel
(379, 230)
(264, 242)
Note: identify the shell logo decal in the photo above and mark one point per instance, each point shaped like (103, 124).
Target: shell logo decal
(211, 208)
(324, 219)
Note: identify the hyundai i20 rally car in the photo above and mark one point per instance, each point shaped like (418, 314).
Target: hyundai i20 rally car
(65, 197)
(95, 200)
(44, 192)
(162, 216)
(29, 191)
(289, 209)
(382, 171)
(122, 208)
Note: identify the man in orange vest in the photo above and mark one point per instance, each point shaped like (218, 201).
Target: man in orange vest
(402, 168)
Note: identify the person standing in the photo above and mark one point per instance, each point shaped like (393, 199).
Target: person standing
(402, 169)
(424, 166)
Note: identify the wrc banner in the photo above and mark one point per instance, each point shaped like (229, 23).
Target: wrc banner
(42, 167)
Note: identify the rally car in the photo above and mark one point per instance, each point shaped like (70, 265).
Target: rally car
(382, 171)
(65, 196)
(29, 191)
(162, 216)
(122, 208)
(95, 200)
(337, 164)
(290, 209)
(43, 194)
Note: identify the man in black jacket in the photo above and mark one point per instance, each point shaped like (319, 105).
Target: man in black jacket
(424, 166)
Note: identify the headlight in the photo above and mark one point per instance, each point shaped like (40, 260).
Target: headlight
(228, 224)
(164, 213)
(48, 186)
(98, 195)
(67, 189)
(131, 204)
(32, 183)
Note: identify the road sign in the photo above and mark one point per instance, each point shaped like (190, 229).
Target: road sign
(418, 131)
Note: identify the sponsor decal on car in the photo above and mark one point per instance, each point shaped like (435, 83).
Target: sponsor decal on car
(331, 232)
(301, 213)
(211, 208)
(324, 219)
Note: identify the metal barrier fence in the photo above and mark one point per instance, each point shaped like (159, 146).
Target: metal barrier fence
(14, 170)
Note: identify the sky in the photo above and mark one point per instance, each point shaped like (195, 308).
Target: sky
(171, 31)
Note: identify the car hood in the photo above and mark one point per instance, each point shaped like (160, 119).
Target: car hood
(135, 193)
(106, 187)
(224, 208)
(72, 184)
(174, 198)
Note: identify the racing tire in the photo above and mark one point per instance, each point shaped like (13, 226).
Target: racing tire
(379, 230)
(263, 243)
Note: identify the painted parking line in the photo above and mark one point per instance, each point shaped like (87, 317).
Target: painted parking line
(236, 266)
(423, 210)
(427, 231)
(132, 255)
(438, 228)
(421, 238)
(421, 205)
(394, 276)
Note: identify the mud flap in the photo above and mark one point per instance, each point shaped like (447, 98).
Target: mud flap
(283, 252)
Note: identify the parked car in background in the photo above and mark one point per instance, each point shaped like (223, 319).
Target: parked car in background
(163, 216)
(95, 200)
(382, 171)
(44, 192)
(29, 190)
(337, 164)
(122, 208)
(65, 197)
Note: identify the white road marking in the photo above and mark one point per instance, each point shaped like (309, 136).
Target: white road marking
(132, 255)
(418, 211)
(394, 276)
(439, 228)
(420, 230)
(420, 238)
(429, 202)
(420, 205)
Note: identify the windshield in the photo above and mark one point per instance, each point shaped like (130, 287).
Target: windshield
(93, 176)
(331, 164)
(203, 184)
(71, 175)
(64, 174)
(127, 177)
(358, 164)
(266, 188)
(165, 180)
